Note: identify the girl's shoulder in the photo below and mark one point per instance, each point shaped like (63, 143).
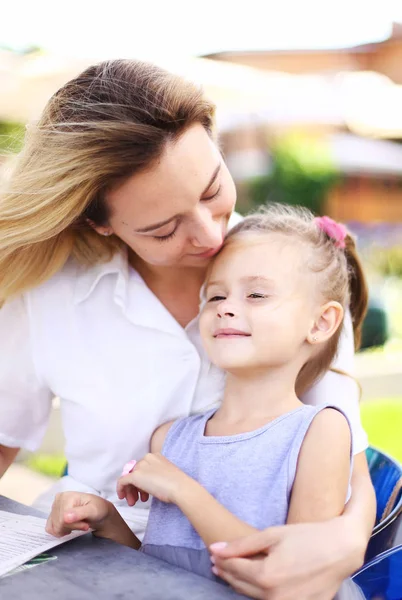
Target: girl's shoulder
(184, 430)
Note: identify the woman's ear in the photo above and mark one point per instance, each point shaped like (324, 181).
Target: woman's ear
(329, 319)
(106, 231)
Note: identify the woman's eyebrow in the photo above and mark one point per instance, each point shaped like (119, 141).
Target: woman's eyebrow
(156, 225)
(214, 176)
(162, 223)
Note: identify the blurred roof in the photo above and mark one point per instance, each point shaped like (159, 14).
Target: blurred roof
(356, 155)
(396, 34)
(367, 102)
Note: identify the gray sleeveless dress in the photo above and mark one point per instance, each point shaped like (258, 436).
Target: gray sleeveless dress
(251, 474)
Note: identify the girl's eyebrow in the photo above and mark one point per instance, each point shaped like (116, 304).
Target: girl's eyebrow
(162, 223)
(257, 278)
(246, 279)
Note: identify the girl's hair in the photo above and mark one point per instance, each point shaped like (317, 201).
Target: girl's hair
(339, 273)
(110, 122)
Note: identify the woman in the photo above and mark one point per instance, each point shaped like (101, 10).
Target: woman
(118, 201)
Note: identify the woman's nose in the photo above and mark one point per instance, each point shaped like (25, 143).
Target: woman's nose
(207, 232)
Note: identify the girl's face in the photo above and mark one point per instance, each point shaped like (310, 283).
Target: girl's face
(175, 214)
(260, 304)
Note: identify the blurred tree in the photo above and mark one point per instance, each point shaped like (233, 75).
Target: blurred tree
(388, 261)
(302, 173)
(11, 137)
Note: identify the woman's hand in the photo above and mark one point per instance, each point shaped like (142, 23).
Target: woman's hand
(73, 510)
(303, 561)
(154, 475)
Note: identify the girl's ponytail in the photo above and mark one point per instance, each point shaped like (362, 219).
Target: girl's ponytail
(358, 289)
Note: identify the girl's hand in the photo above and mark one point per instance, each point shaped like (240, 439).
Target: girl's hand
(304, 561)
(153, 475)
(73, 510)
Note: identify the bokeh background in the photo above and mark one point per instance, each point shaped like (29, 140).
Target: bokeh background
(309, 111)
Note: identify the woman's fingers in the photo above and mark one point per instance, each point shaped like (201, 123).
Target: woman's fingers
(248, 546)
(242, 569)
(242, 586)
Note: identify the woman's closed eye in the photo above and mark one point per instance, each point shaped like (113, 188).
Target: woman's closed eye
(212, 196)
(168, 236)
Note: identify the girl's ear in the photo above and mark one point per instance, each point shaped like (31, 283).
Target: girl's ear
(326, 324)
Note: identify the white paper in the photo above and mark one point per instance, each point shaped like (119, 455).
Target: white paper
(22, 537)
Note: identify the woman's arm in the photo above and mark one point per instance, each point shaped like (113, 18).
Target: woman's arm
(323, 470)
(26, 400)
(7, 456)
(305, 560)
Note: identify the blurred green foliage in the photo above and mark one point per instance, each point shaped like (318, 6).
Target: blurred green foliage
(382, 420)
(302, 173)
(388, 261)
(11, 136)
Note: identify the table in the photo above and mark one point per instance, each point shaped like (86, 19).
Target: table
(89, 568)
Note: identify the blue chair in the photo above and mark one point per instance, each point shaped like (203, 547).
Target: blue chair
(386, 475)
(381, 578)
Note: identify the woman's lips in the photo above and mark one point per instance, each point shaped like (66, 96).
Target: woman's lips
(209, 253)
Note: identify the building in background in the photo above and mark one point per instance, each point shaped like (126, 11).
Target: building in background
(383, 57)
(350, 100)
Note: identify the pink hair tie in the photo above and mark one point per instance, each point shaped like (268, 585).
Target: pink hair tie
(128, 467)
(336, 231)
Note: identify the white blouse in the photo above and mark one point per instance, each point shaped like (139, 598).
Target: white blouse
(121, 365)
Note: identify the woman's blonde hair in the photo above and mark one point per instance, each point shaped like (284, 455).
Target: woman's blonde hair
(108, 123)
(339, 273)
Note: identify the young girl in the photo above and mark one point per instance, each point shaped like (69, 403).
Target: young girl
(262, 458)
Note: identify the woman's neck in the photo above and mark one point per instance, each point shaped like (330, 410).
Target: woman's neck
(178, 289)
(172, 277)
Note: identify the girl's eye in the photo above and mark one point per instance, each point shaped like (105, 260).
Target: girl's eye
(215, 195)
(257, 295)
(163, 238)
(216, 298)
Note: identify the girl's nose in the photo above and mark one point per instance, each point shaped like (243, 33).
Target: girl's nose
(225, 309)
